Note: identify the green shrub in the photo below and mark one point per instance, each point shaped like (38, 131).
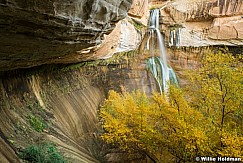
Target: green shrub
(43, 153)
(137, 25)
(37, 123)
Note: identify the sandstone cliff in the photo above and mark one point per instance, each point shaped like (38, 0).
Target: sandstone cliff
(44, 32)
(67, 99)
(194, 27)
(126, 36)
(203, 23)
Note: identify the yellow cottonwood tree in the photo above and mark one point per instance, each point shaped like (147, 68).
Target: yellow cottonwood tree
(216, 90)
(205, 119)
(217, 87)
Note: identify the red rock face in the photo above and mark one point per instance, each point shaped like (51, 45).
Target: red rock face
(199, 23)
(226, 28)
(191, 26)
(139, 8)
(226, 8)
(42, 31)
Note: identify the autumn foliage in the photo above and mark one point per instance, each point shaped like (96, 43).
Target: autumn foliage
(203, 119)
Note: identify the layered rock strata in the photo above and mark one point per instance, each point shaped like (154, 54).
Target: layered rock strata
(126, 36)
(43, 32)
(67, 99)
(203, 23)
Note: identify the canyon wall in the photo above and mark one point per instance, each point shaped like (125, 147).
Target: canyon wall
(43, 32)
(194, 27)
(67, 99)
(202, 23)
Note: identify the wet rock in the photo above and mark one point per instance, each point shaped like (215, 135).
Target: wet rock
(68, 100)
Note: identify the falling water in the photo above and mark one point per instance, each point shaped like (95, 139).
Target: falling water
(158, 65)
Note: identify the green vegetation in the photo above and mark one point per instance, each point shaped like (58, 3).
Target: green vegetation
(37, 123)
(137, 25)
(175, 26)
(43, 153)
(203, 119)
(115, 59)
(33, 106)
(158, 6)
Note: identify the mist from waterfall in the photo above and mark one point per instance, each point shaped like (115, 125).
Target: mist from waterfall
(158, 66)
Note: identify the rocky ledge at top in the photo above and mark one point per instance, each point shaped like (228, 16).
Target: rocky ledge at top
(49, 31)
(197, 23)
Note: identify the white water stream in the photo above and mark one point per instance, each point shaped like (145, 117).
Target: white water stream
(158, 65)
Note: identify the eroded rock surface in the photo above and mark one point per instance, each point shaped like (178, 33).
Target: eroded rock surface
(227, 28)
(42, 32)
(202, 23)
(140, 11)
(126, 36)
(68, 101)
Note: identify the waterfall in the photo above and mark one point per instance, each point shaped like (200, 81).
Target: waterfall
(158, 66)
